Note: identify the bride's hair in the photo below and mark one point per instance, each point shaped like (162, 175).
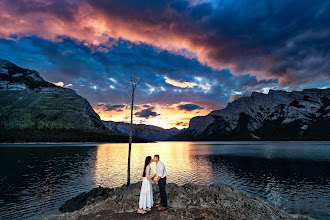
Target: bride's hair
(147, 161)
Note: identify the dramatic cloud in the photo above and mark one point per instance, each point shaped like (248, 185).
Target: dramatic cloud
(189, 107)
(272, 39)
(147, 113)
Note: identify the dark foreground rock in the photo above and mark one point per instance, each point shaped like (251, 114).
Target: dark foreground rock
(189, 201)
(84, 199)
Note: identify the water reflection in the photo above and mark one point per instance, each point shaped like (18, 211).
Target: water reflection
(35, 181)
(292, 185)
(181, 165)
(294, 176)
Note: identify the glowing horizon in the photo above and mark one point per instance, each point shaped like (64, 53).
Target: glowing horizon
(166, 117)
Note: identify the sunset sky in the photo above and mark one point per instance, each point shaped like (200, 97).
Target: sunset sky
(193, 56)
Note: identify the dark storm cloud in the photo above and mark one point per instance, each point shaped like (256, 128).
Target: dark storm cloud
(147, 113)
(63, 9)
(189, 107)
(106, 107)
(282, 39)
(286, 40)
(182, 124)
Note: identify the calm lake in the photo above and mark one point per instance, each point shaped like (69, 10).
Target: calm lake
(36, 179)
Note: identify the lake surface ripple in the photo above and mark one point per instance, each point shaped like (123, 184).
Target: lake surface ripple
(36, 179)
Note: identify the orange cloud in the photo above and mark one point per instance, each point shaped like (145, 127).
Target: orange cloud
(205, 87)
(61, 84)
(89, 23)
(173, 82)
(176, 83)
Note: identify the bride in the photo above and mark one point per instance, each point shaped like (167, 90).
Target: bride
(146, 200)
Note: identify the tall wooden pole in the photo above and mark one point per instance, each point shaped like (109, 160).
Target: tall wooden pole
(130, 138)
(135, 81)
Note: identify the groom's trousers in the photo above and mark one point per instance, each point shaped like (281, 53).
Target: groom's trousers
(162, 188)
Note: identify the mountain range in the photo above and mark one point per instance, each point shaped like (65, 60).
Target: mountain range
(34, 110)
(148, 132)
(278, 115)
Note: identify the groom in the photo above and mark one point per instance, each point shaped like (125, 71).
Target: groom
(161, 180)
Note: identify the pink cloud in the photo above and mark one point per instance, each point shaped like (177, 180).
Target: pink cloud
(183, 84)
(173, 82)
(93, 22)
(234, 97)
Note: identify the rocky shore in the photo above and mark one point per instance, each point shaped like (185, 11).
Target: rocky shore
(189, 201)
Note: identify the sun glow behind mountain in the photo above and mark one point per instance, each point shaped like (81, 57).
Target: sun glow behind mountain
(165, 116)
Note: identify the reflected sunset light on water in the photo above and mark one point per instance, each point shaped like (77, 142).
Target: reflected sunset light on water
(178, 157)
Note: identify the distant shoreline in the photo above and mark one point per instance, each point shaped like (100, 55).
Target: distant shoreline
(60, 143)
(247, 140)
(30, 143)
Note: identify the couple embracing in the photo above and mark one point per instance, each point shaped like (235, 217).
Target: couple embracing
(146, 197)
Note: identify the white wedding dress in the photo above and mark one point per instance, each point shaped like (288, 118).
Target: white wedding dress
(146, 198)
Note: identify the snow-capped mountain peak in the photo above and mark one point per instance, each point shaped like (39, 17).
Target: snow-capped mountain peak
(247, 117)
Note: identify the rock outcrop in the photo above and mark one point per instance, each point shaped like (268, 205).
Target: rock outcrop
(189, 201)
(278, 115)
(86, 198)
